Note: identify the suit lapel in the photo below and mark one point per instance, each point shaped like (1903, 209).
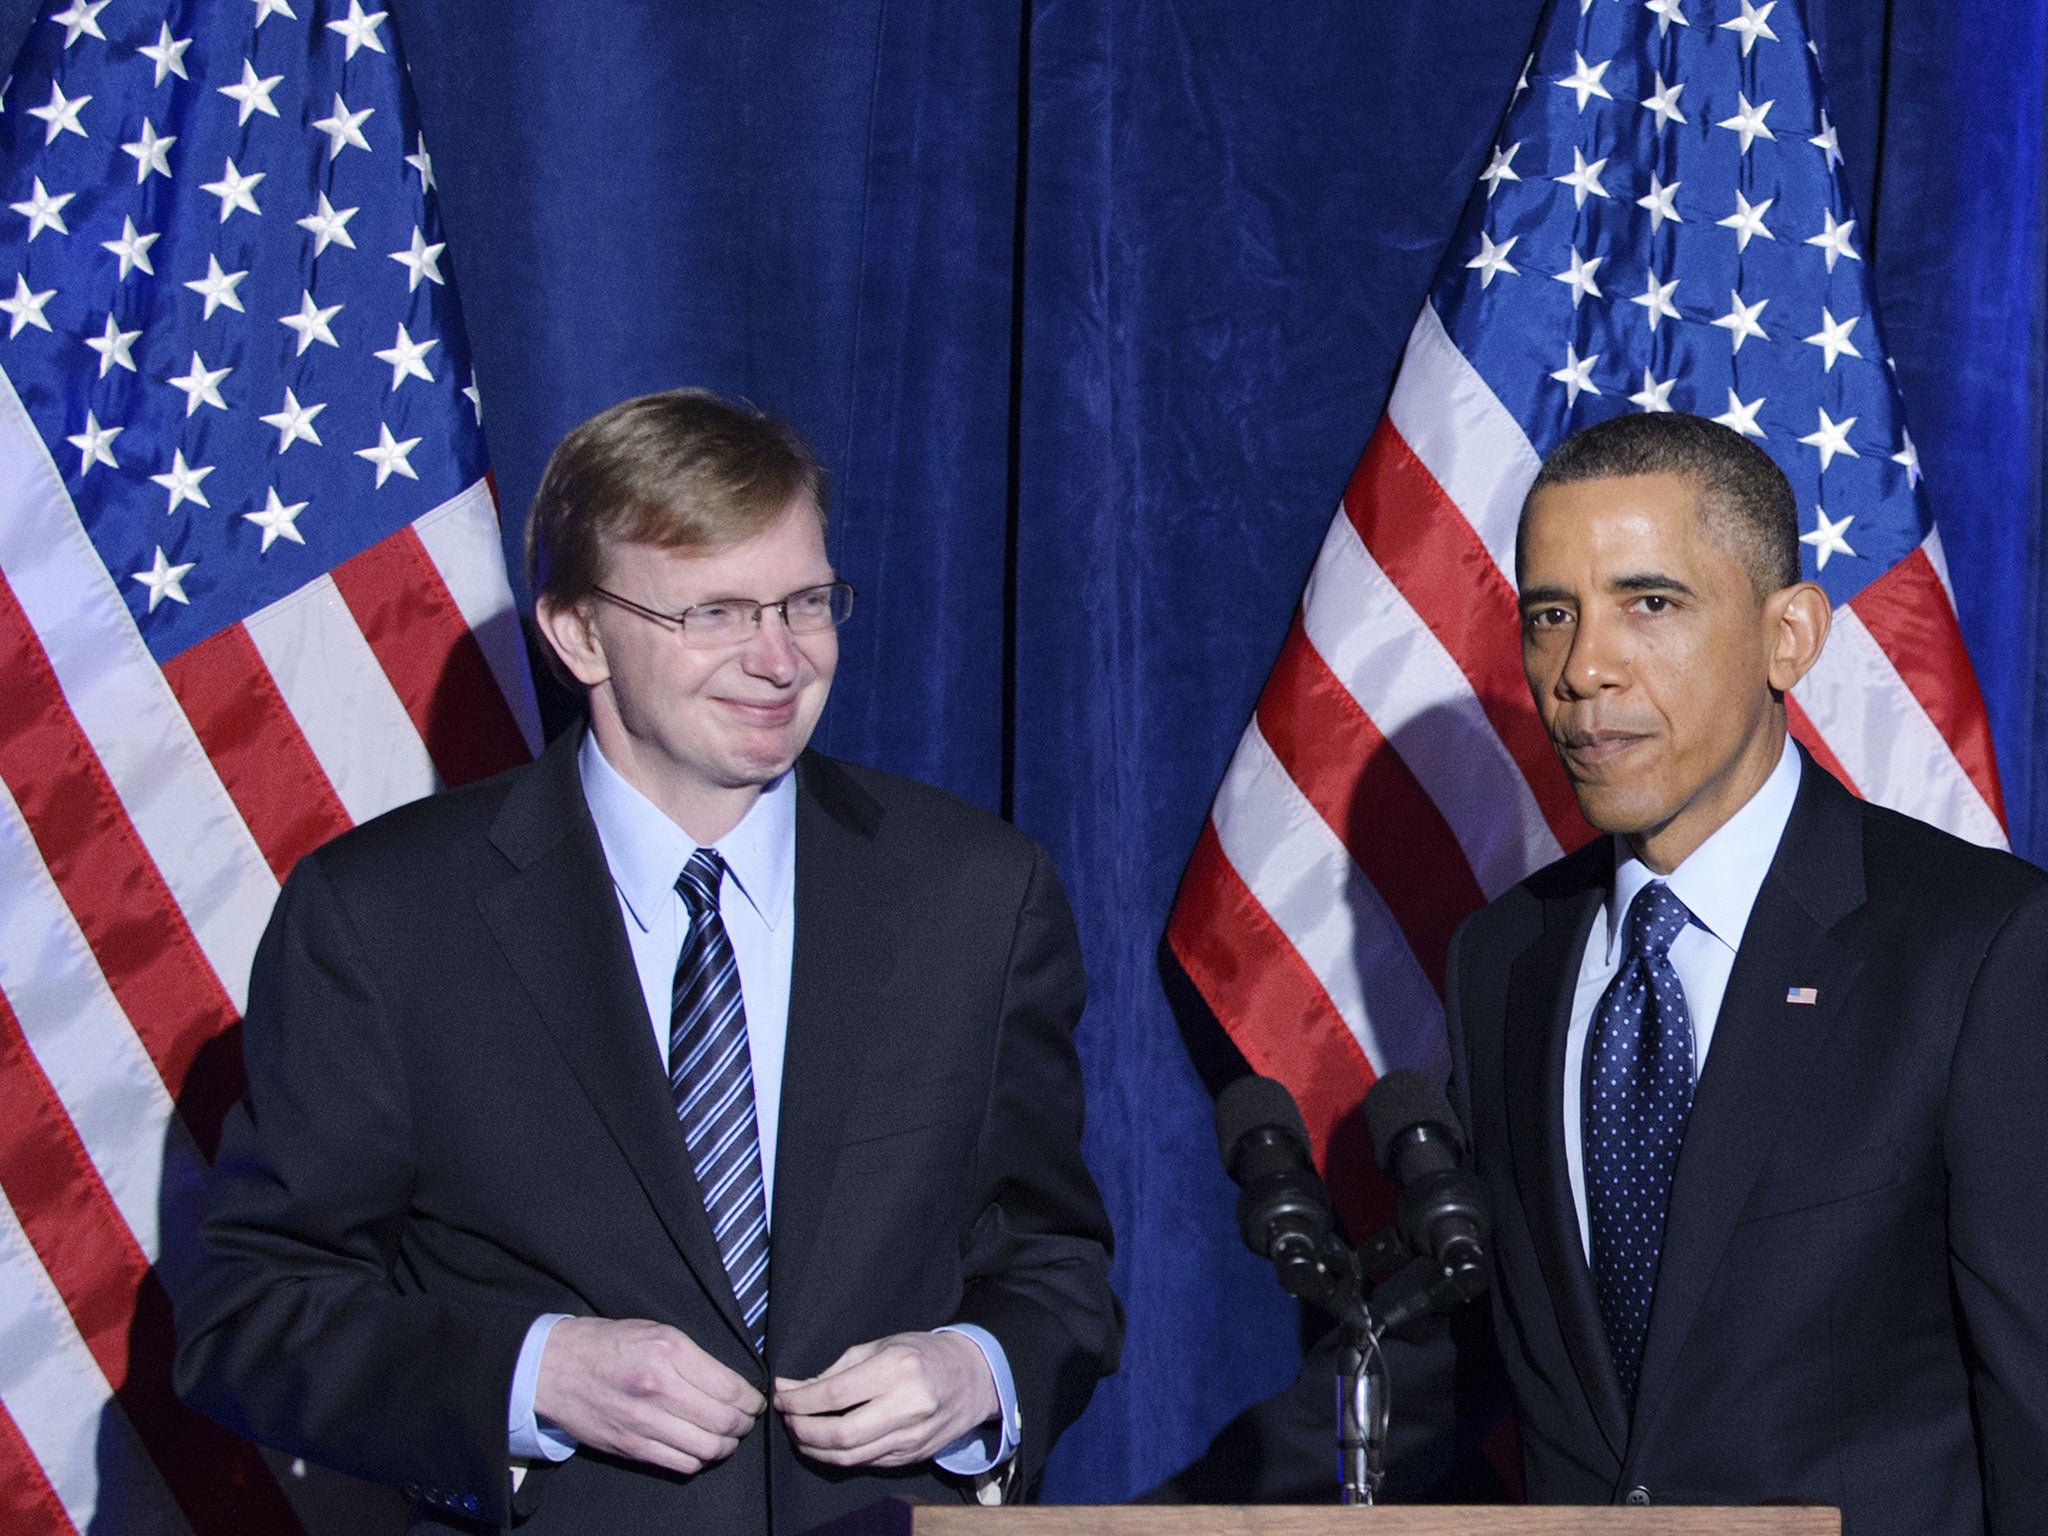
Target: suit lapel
(1764, 1047)
(843, 953)
(557, 920)
(1541, 983)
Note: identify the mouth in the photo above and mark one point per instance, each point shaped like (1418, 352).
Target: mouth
(1590, 751)
(767, 714)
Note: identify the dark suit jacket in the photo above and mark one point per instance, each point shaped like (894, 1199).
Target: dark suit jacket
(1852, 1303)
(457, 1119)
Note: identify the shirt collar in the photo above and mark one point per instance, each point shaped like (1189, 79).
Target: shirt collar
(1719, 880)
(645, 851)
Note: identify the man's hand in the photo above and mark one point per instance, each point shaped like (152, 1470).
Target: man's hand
(642, 1390)
(896, 1401)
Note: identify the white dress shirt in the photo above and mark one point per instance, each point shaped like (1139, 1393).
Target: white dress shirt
(1718, 882)
(645, 852)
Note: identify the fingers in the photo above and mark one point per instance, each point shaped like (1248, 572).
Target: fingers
(897, 1401)
(643, 1390)
(852, 1379)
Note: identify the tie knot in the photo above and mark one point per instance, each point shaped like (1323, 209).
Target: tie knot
(1655, 920)
(698, 883)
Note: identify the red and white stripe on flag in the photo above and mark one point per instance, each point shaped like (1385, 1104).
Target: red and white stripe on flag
(258, 595)
(1395, 776)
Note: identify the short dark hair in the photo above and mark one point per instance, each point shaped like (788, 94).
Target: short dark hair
(683, 469)
(1742, 492)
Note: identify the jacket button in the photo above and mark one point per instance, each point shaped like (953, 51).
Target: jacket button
(1636, 1495)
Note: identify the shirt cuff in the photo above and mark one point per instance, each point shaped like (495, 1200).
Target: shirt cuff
(991, 1444)
(525, 1435)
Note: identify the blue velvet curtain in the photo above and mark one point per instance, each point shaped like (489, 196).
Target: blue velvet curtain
(1090, 306)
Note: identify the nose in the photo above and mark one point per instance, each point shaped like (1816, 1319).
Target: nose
(1597, 658)
(771, 650)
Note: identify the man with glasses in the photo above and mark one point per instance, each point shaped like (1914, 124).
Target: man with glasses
(682, 1132)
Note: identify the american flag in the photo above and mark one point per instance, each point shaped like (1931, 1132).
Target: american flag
(1660, 226)
(251, 592)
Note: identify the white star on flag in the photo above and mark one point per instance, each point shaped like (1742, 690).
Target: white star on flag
(265, 9)
(43, 211)
(218, 287)
(1576, 375)
(1831, 438)
(406, 358)
(311, 323)
(1753, 23)
(152, 153)
(26, 308)
(1580, 277)
(1492, 259)
(294, 422)
(1827, 539)
(277, 521)
(1667, 12)
(201, 385)
(1584, 80)
(475, 397)
(93, 444)
(1747, 221)
(1908, 456)
(1663, 101)
(423, 163)
(360, 30)
(167, 54)
(1740, 321)
(1655, 395)
(329, 226)
(1656, 298)
(1833, 338)
(182, 481)
(164, 579)
(252, 95)
(132, 248)
(389, 455)
(1827, 142)
(422, 260)
(234, 190)
(1583, 178)
(113, 345)
(1661, 202)
(1748, 123)
(61, 114)
(344, 128)
(1500, 168)
(1834, 239)
(1741, 417)
(81, 19)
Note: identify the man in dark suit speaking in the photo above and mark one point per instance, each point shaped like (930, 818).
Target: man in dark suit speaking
(682, 1132)
(1758, 1081)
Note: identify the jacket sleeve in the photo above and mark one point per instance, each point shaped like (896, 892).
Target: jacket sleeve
(1037, 1256)
(295, 1324)
(1997, 1158)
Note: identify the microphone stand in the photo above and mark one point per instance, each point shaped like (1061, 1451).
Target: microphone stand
(1362, 1410)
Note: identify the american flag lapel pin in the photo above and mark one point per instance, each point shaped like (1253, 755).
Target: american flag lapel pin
(1807, 995)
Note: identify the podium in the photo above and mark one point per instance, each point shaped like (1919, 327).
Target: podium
(893, 1517)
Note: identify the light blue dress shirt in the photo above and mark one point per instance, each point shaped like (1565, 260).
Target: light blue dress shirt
(1718, 881)
(645, 851)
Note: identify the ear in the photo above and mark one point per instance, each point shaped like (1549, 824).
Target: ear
(573, 636)
(1797, 619)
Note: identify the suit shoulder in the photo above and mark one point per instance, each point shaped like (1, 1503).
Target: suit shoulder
(1518, 910)
(1909, 862)
(909, 811)
(416, 838)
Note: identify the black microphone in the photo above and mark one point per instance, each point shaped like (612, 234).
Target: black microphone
(1283, 1211)
(1442, 1216)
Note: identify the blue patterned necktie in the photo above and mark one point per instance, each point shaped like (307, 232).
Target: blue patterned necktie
(1638, 1093)
(711, 1074)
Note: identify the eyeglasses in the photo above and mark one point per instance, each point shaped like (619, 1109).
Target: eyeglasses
(730, 620)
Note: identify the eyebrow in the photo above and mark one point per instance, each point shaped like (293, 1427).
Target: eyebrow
(1635, 581)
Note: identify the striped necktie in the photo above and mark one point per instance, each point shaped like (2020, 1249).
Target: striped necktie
(1638, 1096)
(711, 1074)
